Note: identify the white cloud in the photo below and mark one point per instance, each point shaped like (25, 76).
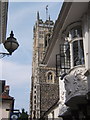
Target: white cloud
(18, 77)
(15, 74)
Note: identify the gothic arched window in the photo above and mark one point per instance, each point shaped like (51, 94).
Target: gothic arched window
(50, 77)
(47, 39)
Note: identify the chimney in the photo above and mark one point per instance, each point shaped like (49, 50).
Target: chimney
(6, 89)
(2, 84)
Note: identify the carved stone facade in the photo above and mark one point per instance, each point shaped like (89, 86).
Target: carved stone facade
(70, 44)
(76, 83)
(45, 86)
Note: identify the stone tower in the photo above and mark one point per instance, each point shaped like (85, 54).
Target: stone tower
(45, 87)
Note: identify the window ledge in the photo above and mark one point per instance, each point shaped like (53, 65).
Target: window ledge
(76, 67)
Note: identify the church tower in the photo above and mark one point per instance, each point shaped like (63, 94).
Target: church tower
(45, 87)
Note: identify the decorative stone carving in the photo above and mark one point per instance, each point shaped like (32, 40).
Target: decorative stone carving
(62, 109)
(80, 80)
(75, 82)
(62, 96)
(67, 85)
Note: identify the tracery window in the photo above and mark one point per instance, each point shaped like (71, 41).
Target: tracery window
(71, 51)
(63, 59)
(78, 52)
(47, 39)
(77, 45)
(76, 32)
(65, 56)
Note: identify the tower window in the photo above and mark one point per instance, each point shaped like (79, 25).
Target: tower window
(35, 107)
(46, 43)
(34, 97)
(34, 101)
(35, 91)
(50, 77)
(47, 39)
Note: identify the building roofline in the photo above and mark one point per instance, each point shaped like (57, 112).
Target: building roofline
(5, 96)
(57, 27)
(52, 107)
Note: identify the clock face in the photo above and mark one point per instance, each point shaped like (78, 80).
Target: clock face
(14, 117)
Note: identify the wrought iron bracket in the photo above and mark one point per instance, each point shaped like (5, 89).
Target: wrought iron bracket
(3, 54)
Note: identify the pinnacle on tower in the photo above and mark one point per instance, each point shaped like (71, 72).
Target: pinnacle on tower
(49, 17)
(47, 12)
(38, 15)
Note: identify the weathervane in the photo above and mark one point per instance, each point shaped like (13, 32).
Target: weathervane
(46, 12)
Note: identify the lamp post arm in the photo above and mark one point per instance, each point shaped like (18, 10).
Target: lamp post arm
(3, 54)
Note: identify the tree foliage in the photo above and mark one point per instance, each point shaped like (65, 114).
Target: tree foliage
(23, 115)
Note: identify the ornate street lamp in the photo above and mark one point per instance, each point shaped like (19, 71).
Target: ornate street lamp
(10, 45)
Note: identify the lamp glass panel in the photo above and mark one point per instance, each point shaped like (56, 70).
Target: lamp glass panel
(14, 46)
(7, 45)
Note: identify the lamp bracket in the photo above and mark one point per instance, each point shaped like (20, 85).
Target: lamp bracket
(3, 54)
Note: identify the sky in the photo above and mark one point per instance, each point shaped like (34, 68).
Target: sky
(17, 69)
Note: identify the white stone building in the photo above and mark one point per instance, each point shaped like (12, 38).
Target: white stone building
(69, 52)
(6, 101)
